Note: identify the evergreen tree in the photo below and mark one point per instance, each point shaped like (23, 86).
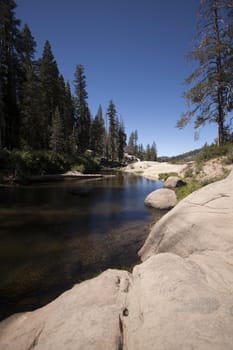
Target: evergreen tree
(49, 87)
(57, 134)
(121, 140)
(132, 144)
(148, 153)
(141, 152)
(29, 93)
(153, 152)
(210, 91)
(66, 109)
(82, 113)
(69, 120)
(9, 80)
(98, 134)
(113, 132)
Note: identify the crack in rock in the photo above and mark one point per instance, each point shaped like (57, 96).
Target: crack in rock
(35, 340)
(121, 336)
(222, 195)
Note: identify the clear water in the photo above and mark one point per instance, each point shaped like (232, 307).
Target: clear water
(55, 235)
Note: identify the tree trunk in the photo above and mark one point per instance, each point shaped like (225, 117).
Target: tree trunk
(220, 117)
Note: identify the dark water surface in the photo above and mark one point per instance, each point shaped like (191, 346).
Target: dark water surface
(55, 235)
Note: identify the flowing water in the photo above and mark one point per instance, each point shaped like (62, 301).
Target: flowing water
(55, 235)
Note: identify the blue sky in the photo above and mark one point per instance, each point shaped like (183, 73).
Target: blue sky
(133, 52)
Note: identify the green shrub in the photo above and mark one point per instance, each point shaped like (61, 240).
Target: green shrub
(21, 164)
(85, 164)
(165, 176)
(188, 172)
(229, 155)
(212, 151)
(189, 187)
(78, 167)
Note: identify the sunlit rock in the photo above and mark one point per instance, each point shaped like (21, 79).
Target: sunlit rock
(161, 199)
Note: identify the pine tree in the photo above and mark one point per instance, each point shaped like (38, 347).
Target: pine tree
(210, 91)
(49, 86)
(121, 140)
(153, 152)
(69, 119)
(148, 153)
(57, 133)
(29, 93)
(9, 80)
(82, 113)
(141, 152)
(66, 109)
(113, 132)
(97, 142)
(132, 144)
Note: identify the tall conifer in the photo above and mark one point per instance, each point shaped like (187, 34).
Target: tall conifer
(210, 94)
(113, 132)
(29, 93)
(82, 113)
(49, 87)
(9, 80)
(98, 134)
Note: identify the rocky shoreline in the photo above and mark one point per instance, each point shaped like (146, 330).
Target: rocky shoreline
(179, 297)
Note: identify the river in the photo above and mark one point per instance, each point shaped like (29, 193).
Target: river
(55, 235)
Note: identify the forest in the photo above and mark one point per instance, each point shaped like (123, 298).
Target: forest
(45, 119)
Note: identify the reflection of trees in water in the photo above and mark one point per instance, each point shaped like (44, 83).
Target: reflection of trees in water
(57, 238)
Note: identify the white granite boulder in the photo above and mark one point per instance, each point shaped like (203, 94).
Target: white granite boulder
(162, 198)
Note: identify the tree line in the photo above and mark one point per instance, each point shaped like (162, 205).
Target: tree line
(38, 110)
(210, 96)
(138, 150)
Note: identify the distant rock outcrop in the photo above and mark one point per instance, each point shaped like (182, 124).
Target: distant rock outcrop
(180, 297)
(162, 198)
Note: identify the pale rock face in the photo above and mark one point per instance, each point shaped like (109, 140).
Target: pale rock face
(203, 221)
(177, 303)
(85, 317)
(180, 297)
(162, 198)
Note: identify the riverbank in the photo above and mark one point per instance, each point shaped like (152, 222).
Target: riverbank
(206, 171)
(69, 175)
(151, 170)
(20, 167)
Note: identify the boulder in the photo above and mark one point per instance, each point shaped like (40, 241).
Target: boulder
(162, 198)
(173, 182)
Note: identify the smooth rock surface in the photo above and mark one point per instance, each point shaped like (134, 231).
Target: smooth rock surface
(181, 304)
(162, 198)
(203, 221)
(83, 318)
(151, 170)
